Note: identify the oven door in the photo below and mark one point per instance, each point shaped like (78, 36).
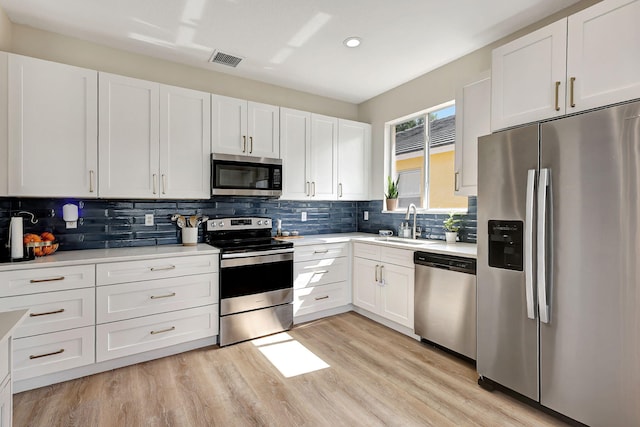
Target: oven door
(254, 280)
(245, 176)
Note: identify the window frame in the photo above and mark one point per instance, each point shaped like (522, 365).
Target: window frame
(389, 163)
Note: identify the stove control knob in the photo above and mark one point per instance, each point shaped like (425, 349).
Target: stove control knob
(211, 223)
(266, 222)
(221, 223)
(259, 222)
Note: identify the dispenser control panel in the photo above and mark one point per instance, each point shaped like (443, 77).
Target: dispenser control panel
(506, 245)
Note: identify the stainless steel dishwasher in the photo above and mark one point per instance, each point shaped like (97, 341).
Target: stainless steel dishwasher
(445, 301)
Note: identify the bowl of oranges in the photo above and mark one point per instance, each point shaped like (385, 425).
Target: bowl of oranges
(41, 245)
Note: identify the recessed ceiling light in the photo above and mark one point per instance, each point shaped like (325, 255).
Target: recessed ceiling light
(352, 42)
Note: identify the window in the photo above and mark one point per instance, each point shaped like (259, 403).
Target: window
(422, 155)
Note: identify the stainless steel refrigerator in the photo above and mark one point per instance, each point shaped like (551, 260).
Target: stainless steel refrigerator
(559, 264)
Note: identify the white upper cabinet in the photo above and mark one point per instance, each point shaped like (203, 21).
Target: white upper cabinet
(4, 132)
(582, 62)
(295, 140)
(244, 127)
(185, 138)
(603, 66)
(129, 145)
(52, 129)
(154, 140)
(354, 158)
(323, 171)
(528, 77)
(473, 119)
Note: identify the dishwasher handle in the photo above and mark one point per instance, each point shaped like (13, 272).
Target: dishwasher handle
(445, 262)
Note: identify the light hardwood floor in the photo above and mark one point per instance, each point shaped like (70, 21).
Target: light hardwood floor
(376, 377)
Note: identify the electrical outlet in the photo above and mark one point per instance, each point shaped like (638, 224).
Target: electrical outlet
(366, 215)
(304, 217)
(148, 219)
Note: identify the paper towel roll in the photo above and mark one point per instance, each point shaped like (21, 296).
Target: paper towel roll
(17, 248)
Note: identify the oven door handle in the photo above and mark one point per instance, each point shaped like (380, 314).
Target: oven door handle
(257, 253)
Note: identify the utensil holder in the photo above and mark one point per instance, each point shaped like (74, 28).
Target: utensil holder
(189, 236)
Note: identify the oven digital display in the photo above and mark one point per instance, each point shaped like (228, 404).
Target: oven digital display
(243, 221)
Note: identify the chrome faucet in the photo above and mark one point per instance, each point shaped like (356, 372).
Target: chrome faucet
(415, 213)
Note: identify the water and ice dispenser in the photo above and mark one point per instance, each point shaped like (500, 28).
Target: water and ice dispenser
(506, 244)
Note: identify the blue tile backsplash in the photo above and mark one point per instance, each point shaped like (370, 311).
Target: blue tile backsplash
(120, 223)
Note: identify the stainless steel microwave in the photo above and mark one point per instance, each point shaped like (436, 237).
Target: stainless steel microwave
(245, 176)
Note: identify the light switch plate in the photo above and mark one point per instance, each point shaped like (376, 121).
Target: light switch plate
(148, 219)
(304, 217)
(366, 215)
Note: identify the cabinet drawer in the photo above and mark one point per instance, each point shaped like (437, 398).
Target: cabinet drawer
(314, 252)
(317, 298)
(320, 272)
(128, 300)
(397, 256)
(53, 311)
(50, 353)
(133, 336)
(21, 282)
(159, 268)
(369, 251)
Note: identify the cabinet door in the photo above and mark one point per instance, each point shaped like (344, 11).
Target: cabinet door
(324, 157)
(4, 148)
(473, 119)
(354, 158)
(128, 142)
(263, 130)
(228, 125)
(6, 403)
(601, 65)
(53, 135)
(295, 138)
(528, 77)
(185, 138)
(365, 286)
(396, 297)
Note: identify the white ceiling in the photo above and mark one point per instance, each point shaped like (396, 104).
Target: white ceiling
(294, 43)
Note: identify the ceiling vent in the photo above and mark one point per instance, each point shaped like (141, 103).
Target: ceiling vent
(225, 59)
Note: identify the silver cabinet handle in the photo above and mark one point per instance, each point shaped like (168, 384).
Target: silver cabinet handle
(161, 331)
(250, 144)
(91, 177)
(155, 183)
(323, 251)
(340, 190)
(381, 275)
(377, 266)
(53, 279)
(321, 272)
(324, 297)
(456, 184)
(244, 143)
(543, 189)
(47, 313)
(313, 185)
(169, 267)
(172, 294)
(164, 184)
(46, 354)
(528, 245)
(307, 187)
(557, 96)
(572, 82)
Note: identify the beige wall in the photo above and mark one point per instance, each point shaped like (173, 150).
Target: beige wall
(55, 47)
(5, 31)
(429, 90)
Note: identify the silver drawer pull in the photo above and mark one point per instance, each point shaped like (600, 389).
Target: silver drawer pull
(38, 356)
(47, 313)
(173, 328)
(53, 279)
(324, 297)
(170, 267)
(321, 252)
(172, 294)
(321, 272)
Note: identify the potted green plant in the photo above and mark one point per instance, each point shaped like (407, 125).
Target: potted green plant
(451, 227)
(392, 193)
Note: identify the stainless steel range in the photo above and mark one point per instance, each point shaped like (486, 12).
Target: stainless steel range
(256, 278)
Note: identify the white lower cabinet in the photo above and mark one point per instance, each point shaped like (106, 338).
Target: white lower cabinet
(6, 403)
(53, 352)
(321, 274)
(383, 281)
(147, 333)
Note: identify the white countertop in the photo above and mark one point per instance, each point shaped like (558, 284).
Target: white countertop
(9, 321)
(434, 246)
(96, 256)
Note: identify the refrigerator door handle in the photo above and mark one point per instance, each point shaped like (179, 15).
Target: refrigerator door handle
(543, 190)
(528, 245)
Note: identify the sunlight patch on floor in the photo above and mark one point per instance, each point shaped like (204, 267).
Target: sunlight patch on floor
(289, 356)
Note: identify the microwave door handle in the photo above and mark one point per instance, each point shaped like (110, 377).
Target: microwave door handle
(528, 245)
(543, 194)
